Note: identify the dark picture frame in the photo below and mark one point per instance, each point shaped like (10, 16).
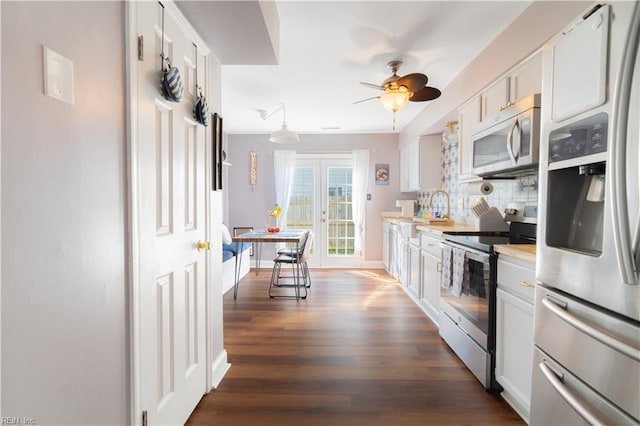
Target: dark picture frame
(239, 230)
(216, 131)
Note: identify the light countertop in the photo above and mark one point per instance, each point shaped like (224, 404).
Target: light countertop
(396, 219)
(525, 252)
(439, 229)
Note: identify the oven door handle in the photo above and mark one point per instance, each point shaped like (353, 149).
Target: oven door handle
(471, 253)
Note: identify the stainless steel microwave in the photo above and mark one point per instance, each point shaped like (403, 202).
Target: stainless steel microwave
(507, 143)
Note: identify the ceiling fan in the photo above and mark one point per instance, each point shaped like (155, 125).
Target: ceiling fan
(399, 90)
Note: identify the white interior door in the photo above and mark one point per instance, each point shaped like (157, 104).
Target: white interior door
(170, 163)
(321, 201)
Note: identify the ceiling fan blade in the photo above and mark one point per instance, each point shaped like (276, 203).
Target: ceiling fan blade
(373, 86)
(414, 82)
(425, 94)
(368, 99)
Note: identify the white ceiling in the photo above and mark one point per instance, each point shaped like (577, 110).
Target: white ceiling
(326, 48)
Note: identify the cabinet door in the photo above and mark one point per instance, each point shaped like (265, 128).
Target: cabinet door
(514, 350)
(413, 279)
(495, 98)
(431, 269)
(385, 245)
(413, 166)
(526, 79)
(468, 117)
(393, 251)
(404, 169)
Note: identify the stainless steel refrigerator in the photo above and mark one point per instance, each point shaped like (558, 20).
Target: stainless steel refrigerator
(587, 311)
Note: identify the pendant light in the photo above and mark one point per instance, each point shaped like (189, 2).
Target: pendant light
(283, 135)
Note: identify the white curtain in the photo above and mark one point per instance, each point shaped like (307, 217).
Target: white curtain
(284, 167)
(360, 186)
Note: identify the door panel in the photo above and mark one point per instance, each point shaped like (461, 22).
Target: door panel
(171, 167)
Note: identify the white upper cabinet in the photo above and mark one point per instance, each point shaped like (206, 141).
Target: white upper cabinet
(523, 80)
(468, 117)
(495, 98)
(526, 79)
(420, 165)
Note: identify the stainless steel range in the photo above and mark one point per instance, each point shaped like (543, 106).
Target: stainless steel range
(468, 291)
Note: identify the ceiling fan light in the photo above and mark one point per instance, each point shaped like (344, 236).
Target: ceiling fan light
(395, 100)
(284, 135)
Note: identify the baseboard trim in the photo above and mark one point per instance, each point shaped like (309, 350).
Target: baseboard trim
(370, 264)
(219, 368)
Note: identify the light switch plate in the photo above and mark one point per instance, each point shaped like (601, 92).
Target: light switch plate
(58, 76)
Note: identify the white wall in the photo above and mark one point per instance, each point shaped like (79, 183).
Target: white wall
(64, 290)
(248, 208)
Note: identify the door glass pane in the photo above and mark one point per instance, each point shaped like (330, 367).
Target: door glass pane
(300, 212)
(340, 233)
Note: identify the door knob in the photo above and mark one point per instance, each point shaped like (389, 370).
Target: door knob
(203, 245)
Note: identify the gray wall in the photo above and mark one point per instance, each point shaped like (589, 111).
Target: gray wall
(248, 208)
(64, 291)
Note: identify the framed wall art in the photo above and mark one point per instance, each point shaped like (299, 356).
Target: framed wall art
(382, 174)
(217, 152)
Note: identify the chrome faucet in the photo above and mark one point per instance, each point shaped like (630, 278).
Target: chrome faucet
(442, 191)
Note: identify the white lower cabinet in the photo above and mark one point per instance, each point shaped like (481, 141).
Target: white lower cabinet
(430, 253)
(413, 267)
(514, 332)
(430, 298)
(385, 245)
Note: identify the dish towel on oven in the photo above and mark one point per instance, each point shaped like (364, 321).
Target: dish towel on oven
(445, 276)
(459, 274)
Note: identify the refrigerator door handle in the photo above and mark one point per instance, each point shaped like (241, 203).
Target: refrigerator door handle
(625, 250)
(572, 400)
(591, 331)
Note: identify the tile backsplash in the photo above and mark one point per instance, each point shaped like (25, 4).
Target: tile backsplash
(521, 189)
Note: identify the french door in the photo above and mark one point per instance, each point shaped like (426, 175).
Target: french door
(321, 200)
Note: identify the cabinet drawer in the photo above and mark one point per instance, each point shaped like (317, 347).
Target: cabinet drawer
(430, 244)
(516, 277)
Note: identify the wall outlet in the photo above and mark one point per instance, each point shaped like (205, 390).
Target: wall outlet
(368, 197)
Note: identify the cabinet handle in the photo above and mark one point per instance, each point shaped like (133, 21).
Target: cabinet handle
(523, 283)
(439, 267)
(500, 108)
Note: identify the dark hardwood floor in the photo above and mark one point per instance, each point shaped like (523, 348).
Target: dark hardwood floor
(357, 351)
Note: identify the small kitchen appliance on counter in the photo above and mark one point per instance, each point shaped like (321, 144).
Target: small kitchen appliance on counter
(407, 207)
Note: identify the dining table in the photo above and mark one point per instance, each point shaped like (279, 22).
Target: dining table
(290, 236)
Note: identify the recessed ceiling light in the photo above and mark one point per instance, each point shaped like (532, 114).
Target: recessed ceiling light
(330, 127)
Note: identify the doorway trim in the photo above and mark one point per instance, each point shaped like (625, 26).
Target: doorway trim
(0, 209)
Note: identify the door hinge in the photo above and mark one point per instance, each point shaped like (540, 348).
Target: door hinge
(140, 48)
(144, 417)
